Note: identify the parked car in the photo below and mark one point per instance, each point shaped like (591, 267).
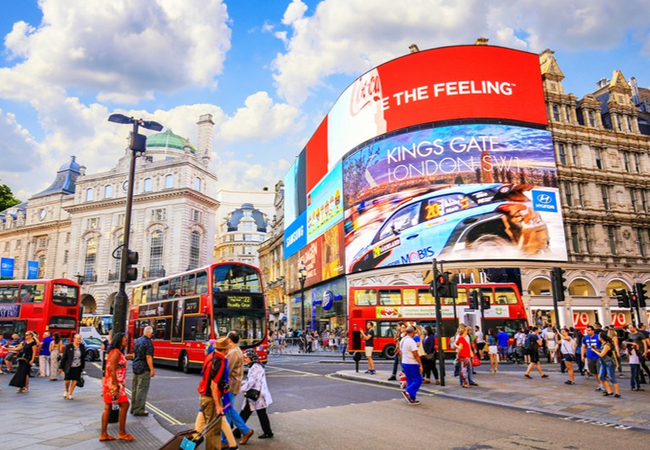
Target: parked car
(93, 348)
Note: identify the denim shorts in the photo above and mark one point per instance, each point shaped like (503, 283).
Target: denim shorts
(609, 372)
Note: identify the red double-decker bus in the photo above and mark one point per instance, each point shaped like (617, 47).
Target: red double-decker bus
(188, 309)
(385, 306)
(40, 306)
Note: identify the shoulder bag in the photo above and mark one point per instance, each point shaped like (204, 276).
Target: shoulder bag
(252, 394)
(81, 382)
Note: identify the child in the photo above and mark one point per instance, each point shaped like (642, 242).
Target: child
(635, 365)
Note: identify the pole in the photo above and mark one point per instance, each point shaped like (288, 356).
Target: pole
(557, 285)
(636, 306)
(441, 353)
(480, 299)
(302, 304)
(121, 298)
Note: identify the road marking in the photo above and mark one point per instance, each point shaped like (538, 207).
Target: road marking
(158, 411)
(280, 369)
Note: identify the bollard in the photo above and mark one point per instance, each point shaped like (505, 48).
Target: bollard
(357, 358)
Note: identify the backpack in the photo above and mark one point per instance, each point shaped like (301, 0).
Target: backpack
(531, 342)
(211, 366)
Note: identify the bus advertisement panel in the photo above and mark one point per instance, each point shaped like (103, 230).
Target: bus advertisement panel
(40, 306)
(187, 310)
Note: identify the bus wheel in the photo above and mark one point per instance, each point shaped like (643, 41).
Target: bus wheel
(184, 363)
(389, 352)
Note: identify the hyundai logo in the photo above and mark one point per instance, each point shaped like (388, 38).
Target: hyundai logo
(544, 199)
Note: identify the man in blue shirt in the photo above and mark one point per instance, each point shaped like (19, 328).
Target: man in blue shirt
(502, 344)
(142, 372)
(590, 342)
(44, 355)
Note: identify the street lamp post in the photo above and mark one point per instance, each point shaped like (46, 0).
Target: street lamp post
(302, 277)
(137, 146)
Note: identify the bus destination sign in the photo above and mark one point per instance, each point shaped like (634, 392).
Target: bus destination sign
(239, 301)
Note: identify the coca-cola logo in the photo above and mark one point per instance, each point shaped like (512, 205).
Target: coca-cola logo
(365, 90)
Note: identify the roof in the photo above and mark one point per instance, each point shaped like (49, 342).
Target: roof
(237, 215)
(169, 141)
(64, 183)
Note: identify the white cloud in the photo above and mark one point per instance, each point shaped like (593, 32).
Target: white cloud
(123, 49)
(260, 119)
(239, 175)
(352, 36)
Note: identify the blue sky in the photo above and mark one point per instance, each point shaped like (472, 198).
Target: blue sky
(268, 70)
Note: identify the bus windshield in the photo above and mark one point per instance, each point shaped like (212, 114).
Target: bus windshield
(235, 278)
(250, 325)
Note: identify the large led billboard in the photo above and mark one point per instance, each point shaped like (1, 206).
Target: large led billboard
(449, 143)
(464, 192)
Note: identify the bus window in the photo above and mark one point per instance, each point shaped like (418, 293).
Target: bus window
(64, 295)
(32, 293)
(487, 292)
(238, 278)
(196, 328)
(386, 329)
(154, 292)
(162, 330)
(13, 326)
(462, 297)
(188, 284)
(505, 296)
(163, 288)
(61, 322)
(137, 295)
(390, 297)
(9, 293)
(425, 297)
(202, 283)
(409, 296)
(175, 287)
(146, 294)
(365, 297)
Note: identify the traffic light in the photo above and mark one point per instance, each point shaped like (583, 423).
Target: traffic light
(131, 259)
(473, 300)
(642, 294)
(558, 282)
(622, 297)
(485, 302)
(438, 284)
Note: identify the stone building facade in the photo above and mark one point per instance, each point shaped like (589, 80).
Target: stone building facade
(75, 227)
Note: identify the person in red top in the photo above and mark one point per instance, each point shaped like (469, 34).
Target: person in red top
(113, 388)
(465, 355)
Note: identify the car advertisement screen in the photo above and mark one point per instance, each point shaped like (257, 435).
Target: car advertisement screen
(464, 192)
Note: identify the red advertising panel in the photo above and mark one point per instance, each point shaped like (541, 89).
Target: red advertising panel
(317, 156)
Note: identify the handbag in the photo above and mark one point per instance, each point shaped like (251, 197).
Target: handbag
(429, 356)
(476, 361)
(81, 382)
(252, 394)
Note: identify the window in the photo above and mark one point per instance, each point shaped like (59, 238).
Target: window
(64, 295)
(640, 241)
(556, 112)
(188, 284)
(156, 253)
(202, 283)
(390, 297)
(568, 194)
(611, 235)
(248, 250)
(409, 297)
(118, 261)
(561, 151)
(591, 117)
(42, 242)
(9, 293)
(66, 255)
(7, 244)
(159, 214)
(581, 194)
(90, 259)
(108, 191)
(605, 193)
(574, 154)
(195, 249)
(588, 234)
(637, 163)
(197, 328)
(41, 266)
(633, 199)
(567, 109)
(169, 181)
(575, 240)
(247, 237)
(197, 184)
(505, 296)
(67, 237)
(89, 194)
(93, 223)
(599, 158)
(365, 297)
(32, 293)
(18, 244)
(626, 161)
(196, 215)
(175, 287)
(148, 184)
(644, 203)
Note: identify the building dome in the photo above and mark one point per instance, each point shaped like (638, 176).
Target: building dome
(64, 183)
(247, 210)
(168, 141)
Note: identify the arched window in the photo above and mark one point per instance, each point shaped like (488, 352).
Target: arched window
(169, 181)
(90, 194)
(581, 288)
(540, 286)
(616, 285)
(90, 260)
(148, 185)
(108, 191)
(195, 249)
(156, 253)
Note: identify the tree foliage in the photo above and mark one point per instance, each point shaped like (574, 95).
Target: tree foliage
(7, 199)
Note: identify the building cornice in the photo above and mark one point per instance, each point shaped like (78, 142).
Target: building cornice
(144, 198)
(35, 228)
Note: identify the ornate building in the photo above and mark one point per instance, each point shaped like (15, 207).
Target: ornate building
(271, 254)
(74, 227)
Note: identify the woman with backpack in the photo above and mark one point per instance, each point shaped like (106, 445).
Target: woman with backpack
(608, 364)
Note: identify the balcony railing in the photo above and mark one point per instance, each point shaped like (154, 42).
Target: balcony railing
(113, 276)
(90, 277)
(153, 273)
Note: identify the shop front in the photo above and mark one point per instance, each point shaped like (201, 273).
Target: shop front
(324, 307)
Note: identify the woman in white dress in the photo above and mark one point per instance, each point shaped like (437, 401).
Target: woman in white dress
(551, 345)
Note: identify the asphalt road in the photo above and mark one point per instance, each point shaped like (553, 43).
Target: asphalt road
(313, 409)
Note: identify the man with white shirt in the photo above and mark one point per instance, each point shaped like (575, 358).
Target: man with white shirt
(411, 366)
